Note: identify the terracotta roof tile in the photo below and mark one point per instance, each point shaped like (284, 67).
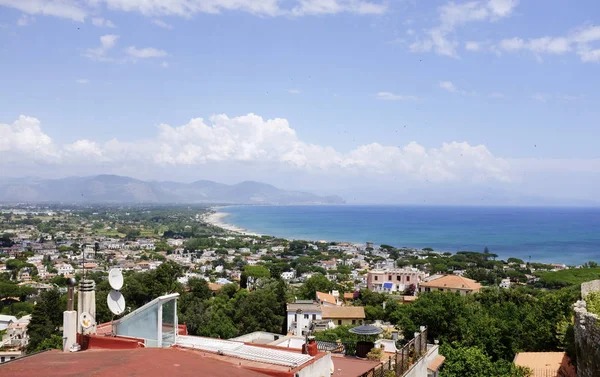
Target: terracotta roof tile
(326, 297)
(545, 364)
(453, 282)
(351, 312)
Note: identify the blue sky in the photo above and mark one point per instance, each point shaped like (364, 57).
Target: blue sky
(336, 96)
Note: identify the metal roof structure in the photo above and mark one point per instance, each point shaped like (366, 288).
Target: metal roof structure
(366, 330)
(155, 322)
(244, 351)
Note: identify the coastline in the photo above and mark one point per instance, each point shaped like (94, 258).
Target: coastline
(216, 218)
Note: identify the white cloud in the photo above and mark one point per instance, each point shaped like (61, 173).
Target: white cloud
(78, 10)
(450, 87)
(70, 9)
(144, 53)
(472, 46)
(542, 97)
(389, 96)
(579, 40)
(83, 81)
(107, 42)
(164, 64)
(101, 22)
(24, 139)
(25, 20)
(294, 91)
(269, 143)
(441, 39)
(305, 7)
(162, 24)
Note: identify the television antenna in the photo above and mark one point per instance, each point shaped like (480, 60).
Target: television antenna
(115, 299)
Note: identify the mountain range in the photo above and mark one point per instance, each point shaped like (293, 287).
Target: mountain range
(120, 189)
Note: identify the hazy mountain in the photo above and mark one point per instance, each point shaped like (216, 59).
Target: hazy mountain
(118, 189)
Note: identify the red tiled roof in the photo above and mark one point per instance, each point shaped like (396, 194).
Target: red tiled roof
(326, 297)
(351, 367)
(146, 362)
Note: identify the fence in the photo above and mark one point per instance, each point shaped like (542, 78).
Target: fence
(404, 358)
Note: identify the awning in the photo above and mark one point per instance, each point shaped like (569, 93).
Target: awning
(388, 285)
(436, 363)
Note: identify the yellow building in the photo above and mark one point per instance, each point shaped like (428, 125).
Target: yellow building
(343, 315)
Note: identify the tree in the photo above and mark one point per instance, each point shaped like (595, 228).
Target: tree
(473, 362)
(45, 320)
(318, 282)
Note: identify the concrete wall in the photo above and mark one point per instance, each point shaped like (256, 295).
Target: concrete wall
(322, 367)
(420, 368)
(587, 335)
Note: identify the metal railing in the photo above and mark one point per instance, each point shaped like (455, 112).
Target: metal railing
(403, 359)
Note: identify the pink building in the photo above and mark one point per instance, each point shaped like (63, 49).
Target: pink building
(394, 280)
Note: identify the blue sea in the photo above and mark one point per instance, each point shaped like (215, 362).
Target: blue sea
(558, 235)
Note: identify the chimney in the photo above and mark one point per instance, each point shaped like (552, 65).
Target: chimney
(299, 322)
(87, 304)
(70, 320)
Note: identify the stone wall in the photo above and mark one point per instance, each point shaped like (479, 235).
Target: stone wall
(587, 335)
(590, 286)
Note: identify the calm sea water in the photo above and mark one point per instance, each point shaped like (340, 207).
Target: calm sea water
(561, 235)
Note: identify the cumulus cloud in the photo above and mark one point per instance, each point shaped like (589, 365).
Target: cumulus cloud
(389, 96)
(107, 42)
(70, 9)
(25, 20)
(145, 53)
(441, 39)
(472, 46)
(450, 87)
(101, 22)
(24, 139)
(78, 10)
(580, 41)
(162, 24)
(251, 139)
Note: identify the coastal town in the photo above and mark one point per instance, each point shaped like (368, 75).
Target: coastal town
(319, 288)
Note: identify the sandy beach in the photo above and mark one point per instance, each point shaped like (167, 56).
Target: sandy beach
(218, 219)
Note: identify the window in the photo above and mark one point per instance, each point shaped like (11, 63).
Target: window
(408, 278)
(295, 317)
(441, 289)
(376, 277)
(306, 316)
(389, 277)
(399, 278)
(314, 317)
(339, 322)
(354, 322)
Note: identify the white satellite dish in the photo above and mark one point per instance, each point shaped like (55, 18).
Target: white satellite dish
(86, 320)
(116, 302)
(115, 279)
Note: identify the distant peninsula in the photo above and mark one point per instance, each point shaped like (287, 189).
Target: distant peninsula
(120, 189)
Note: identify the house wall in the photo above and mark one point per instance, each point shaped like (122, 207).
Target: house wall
(345, 321)
(420, 368)
(322, 367)
(291, 317)
(461, 291)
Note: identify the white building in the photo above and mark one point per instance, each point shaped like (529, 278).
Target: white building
(505, 283)
(64, 269)
(288, 275)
